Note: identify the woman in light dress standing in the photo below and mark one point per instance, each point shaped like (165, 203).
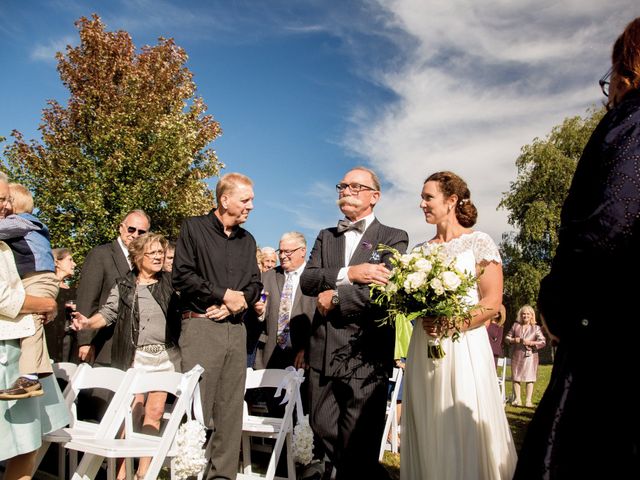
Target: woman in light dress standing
(525, 338)
(453, 425)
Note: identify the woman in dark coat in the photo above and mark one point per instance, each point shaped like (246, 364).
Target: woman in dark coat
(585, 425)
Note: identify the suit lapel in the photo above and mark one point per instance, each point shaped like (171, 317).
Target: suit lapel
(368, 244)
(121, 261)
(335, 249)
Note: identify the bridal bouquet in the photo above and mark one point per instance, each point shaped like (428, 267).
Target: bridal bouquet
(425, 283)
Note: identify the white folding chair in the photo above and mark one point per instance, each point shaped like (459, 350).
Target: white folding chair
(134, 444)
(84, 377)
(288, 383)
(64, 372)
(501, 368)
(391, 416)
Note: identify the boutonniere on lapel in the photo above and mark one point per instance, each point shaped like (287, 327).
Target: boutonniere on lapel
(375, 256)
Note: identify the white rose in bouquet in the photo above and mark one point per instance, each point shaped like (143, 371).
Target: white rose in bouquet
(436, 286)
(450, 280)
(414, 281)
(423, 265)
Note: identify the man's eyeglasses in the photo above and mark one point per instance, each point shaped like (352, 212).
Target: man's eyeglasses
(604, 82)
(6, 199)
(288, 253)
(354, 187)
(134, 229)
(155, 253)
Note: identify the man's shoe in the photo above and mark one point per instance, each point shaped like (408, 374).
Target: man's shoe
(22, 388)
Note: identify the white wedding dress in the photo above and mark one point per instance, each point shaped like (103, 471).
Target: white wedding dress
(453, 422)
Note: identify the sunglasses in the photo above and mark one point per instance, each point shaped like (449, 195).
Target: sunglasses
(134, 229)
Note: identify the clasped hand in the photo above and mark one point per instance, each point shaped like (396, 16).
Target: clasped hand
(234, 301)
(433, 328)
(367, 273)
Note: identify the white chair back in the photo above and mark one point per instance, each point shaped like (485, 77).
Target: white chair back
(287, 383)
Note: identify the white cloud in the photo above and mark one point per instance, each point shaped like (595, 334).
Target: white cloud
(479, 81)
(47, 52)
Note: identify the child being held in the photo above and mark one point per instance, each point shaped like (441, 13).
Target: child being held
(29, 241)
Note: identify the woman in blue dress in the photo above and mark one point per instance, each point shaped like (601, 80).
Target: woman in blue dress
(22, 422)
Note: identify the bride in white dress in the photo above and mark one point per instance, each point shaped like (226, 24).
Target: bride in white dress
(453, 422)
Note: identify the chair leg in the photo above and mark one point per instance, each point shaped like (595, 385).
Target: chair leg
(291, 466)
(111, 468)
(246, 454)
(128, 466)
(62, 463)
(73, 461)
(88, 468)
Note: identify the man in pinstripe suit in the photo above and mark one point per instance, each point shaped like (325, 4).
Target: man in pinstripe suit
(351, 354)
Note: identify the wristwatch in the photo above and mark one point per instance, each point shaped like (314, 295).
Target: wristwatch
(335, 299)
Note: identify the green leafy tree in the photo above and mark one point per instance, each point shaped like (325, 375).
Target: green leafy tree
(133, 135)
(534, 201)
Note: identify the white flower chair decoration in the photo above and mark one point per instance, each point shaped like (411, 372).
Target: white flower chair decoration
(280, 429)
(181, 385)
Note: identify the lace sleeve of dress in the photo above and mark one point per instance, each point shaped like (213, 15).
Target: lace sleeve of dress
(484, 249)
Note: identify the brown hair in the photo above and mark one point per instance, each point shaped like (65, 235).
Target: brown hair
(625, 61)
(451, 184)
(138, 245)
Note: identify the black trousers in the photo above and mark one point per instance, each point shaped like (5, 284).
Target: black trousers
(348, 416)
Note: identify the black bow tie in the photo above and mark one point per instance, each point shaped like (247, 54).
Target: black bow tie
(345, 225)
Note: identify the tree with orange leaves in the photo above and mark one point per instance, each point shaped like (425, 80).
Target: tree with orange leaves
(133, 134)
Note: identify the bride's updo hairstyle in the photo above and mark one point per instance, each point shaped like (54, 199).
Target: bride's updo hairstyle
(452, 184)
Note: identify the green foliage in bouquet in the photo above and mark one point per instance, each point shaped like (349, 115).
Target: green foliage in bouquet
(425, 283)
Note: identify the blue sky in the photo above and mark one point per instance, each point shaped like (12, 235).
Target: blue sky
(305, 90)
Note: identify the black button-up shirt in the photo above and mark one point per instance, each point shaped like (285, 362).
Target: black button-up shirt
(207, 262)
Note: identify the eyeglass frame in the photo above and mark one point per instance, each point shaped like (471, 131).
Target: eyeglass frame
(288, 253)
(355, 188)
(604, 82)
(6, 199)
(157, 253)
(134, 229)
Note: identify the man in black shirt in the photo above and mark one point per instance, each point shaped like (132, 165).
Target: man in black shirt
(216, 273)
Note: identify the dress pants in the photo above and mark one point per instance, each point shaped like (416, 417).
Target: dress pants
(348, 416)
(221, 348)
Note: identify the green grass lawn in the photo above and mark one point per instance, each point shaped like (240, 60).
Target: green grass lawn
(518, 417)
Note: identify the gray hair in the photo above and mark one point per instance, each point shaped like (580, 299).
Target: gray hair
(267, 250)
(4, 178)
(297, 236)
(137, 211)
(374, 176)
